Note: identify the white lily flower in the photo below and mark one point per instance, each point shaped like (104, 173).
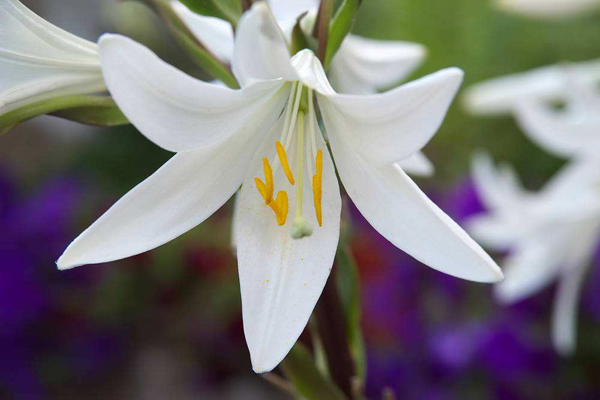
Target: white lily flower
(266, 138)
(573, 132)
(503, 95)
(548, 8)
(39, 61)
(361, 66)
(551, 236)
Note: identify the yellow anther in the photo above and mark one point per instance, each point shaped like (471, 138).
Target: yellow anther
(317, 186)
(284, 162)
(262, 188)
(268, 179)
(281, 207)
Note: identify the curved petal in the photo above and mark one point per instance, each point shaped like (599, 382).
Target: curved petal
(180, 195)
(285, 10)
(39, 60)
(559, 133)
(392, 126)
(498, 188)
(282, 278)
(260, 51)
(548, 8)
(363, 66)
(402, 213)
(172, 109)
(564, 316)
(533, 265)
(501, 95)
(418, 165)
(214, 33)
(564, 313)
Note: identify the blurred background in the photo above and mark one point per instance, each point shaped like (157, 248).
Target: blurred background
(167, 324)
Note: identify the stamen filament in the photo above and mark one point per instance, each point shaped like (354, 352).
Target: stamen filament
(299, 166)
(318, 187)
(284, 162)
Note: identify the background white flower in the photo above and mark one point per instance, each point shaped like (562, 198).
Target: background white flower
(548, 8)
(39, 61)
(550, 235)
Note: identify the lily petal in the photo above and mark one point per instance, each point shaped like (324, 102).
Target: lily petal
(498, 188)
(362, 65)
(395, 206)
(214, 33)
(282, 278)
(564, 316)
(261, 51)
(564, 313)
(501, 95)
(417, 165)
(394, 125)
(533, 265)
(172, 109)
(285, 10)
(548, 8)
(180, 195)
(39, 60)
(559, 133)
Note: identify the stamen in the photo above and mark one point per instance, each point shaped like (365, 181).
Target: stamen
(318, 187)
(262, 188)
(284, 162)
(281, 206)
(268, 178)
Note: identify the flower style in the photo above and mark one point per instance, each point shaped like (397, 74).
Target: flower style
(266, 138)
(548, 8)
(39, 61)
(361, 65)
(550, 235)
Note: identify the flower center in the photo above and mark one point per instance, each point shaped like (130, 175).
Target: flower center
(299, 118)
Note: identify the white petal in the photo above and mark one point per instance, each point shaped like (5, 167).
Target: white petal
(548, 8)
(397, 208)
(564, 318)
(286, 10)
(417, 165)
(174, 110)
(559, 133)
(502, 95)
(260, 51)
(532, 266)
(214, 33)
(564, 313)
(282, 278)
(498, 188)
(184, 192)
(393, 126)
(363, 66)
(40, 61)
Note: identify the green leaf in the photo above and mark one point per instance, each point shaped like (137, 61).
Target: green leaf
(93, 110)
(302, 372)
(228, 10)
(340, 26)
(299, 39)
(349, 291)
